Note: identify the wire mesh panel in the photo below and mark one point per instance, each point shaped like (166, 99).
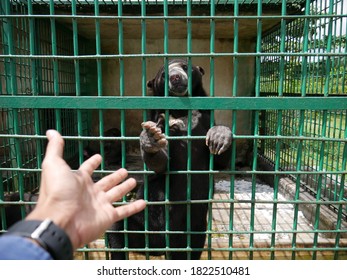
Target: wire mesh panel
(313, 65)
(21, 156)
(273, 72)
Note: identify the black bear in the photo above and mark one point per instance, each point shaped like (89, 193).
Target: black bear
(13, 212)
(170, 225)
(112, 148)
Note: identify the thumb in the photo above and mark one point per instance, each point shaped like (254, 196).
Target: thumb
(55, 147)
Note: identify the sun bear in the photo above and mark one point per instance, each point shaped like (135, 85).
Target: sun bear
(181, 223)
(112, 148)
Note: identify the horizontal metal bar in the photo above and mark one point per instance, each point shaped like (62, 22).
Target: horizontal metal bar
(262, 231)
(184, 103)
(173, 55)
(229, 249)
(136, 138)
(210, 172)
(178, 17)
(216, 200)
(135, 3)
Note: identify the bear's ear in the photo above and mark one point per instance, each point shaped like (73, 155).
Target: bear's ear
(202, 71)
(150, 84)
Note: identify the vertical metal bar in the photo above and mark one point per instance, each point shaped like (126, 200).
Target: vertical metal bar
(189, 128)
(54, 47)
(341, 152)
(212, 121)
(256, 126)
(121, 77)
(297, 188)
(167, 176)
(319, 186)
(143, 51)
(312, 44)
(144, 93)
(57, 112)
(12, 89)
(301, 128)
(166, 48)
(305, 50)
(292, 87)
(343, 79)
(121, 93)
(282, 48)
(320, 26)
(77, 77)
(212, 48)
(278, 133)
(328, 49)
(335, 164)
(341, 194)
(323, 134)
(336, 61)
(6, 112)
(99, 74)
(233, 129)
(77, 85)
(166, 70)
(34, 87)
(166, 93)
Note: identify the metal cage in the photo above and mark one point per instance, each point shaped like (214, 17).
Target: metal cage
(275, 74)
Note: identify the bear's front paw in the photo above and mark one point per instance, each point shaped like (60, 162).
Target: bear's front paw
(218, 139)
(152, 139)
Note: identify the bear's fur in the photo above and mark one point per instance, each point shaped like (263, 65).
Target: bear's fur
(112, 148)
(158, 155)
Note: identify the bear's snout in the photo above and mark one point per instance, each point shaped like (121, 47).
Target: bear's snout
(178, 85)
(178, 80)
(175, 78)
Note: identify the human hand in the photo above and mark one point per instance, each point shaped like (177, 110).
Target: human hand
(74, 202)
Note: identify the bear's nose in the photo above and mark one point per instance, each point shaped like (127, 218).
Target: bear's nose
(175, 78)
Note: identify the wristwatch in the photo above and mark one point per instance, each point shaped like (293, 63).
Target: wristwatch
(49, 236)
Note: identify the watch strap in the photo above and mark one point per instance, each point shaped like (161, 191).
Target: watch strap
(51, 237)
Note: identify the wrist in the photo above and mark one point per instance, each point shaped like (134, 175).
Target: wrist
(46, 234)
(59, 218)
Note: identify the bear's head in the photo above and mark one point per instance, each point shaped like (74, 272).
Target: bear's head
(177, 80)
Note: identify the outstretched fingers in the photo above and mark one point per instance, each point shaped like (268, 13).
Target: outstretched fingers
(91, 164)
(115, 188)
(55, 146)
(125, 211)
(113, 179)
(117, 192)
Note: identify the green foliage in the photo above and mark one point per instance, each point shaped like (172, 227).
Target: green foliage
(310, 60)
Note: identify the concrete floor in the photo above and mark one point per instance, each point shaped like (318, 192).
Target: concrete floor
(263, 214)
(241, 244)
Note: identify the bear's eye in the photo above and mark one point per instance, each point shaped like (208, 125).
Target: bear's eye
(185, 67)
